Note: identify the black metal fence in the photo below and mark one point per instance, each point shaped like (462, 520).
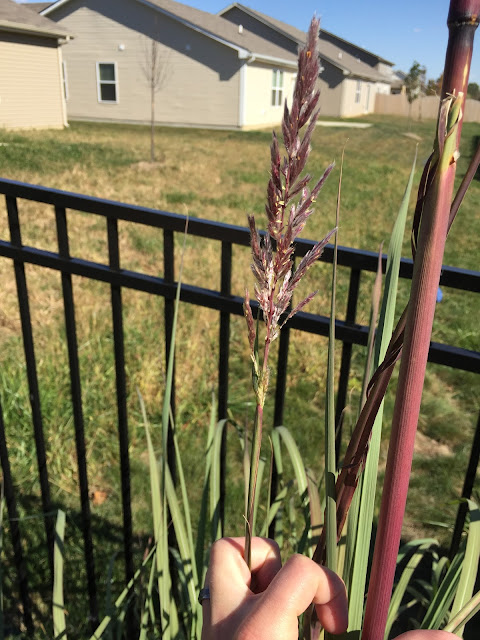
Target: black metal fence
(347, 331)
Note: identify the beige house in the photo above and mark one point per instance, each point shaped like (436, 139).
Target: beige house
(214, 73)
(350, 76)
(31, 79)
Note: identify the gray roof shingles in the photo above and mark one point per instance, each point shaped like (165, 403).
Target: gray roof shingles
(18, 16)
(328, 50)
(219, 28)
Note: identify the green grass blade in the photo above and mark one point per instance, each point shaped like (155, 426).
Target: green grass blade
(438, 609)
(59, 624)
(369, 481)
(184, 548)
(200, 555)
(464, 615)
(330, 454)
(470, 564)
(185, 501)
(275, 510)
(215, 475)
(156, 497)
(109, 604)
(354, 511)
(300, 476)
(417, 553)
(122, 599)
(316, 512)
(159, 528)
(171, 356)
(148, 607)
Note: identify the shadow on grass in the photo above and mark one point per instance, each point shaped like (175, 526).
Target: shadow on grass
(109, 570)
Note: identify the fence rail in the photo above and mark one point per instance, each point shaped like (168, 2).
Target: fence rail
(347, 331)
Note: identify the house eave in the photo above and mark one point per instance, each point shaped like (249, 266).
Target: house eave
(19, 27)
(353, 74)
(281, 62)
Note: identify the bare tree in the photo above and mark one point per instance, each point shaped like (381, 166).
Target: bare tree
(155, 67)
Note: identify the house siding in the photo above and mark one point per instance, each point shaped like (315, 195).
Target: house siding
(258, 96)
(201, 79)
(31, 91)
(366, 103)
(330, 83)
(365, 56)
(254, 25)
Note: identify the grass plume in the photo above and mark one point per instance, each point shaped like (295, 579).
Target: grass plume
(275, 276)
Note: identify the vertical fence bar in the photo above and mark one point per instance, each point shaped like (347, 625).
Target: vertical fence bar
(121, 389)
(280, 390)
(15, 530)
(169, 276)
(223, 359)
(76, 391)
(467, 491)
(353, 290)
(28, 345)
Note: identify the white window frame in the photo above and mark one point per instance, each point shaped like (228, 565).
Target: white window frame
(64, 80)
(277, 88)
(358, 92)
(114, 82)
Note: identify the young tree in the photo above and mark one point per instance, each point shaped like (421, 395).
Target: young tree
(414, 84)
(473, 91)
(434, 87)
(155, 67)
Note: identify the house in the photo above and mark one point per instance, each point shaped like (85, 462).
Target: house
(31, 80)
(215, 73)
(350, 76)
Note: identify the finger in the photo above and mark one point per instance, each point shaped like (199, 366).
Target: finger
(229, 578)
(297, 585)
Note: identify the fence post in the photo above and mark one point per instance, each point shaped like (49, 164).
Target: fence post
(30, 361)
(223, 360)
(466, 492)
(121, 389)
(346, 359)
(76, 393)
(168, 274)
(15, 529)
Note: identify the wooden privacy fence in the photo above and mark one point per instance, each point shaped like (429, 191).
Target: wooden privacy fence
(424, 107)
(221, 300)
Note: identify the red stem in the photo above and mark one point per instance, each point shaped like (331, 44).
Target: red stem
(427, 267)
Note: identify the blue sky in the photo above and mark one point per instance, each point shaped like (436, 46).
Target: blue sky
(407, 31)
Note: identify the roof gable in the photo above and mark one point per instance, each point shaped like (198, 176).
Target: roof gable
(341, 41)
(296, 35)
(332, 48)
(247, 44)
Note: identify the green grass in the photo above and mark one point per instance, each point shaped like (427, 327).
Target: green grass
(219, 175)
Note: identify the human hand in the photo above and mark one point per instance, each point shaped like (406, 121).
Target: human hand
(264, 604)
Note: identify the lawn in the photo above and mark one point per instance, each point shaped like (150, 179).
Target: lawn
(219, 175)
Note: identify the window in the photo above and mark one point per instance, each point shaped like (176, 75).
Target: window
(358, 91)
(277, 88)
(64, 79)
(107, 82)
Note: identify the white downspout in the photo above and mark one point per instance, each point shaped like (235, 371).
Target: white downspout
(62, 91)
(242, 97)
